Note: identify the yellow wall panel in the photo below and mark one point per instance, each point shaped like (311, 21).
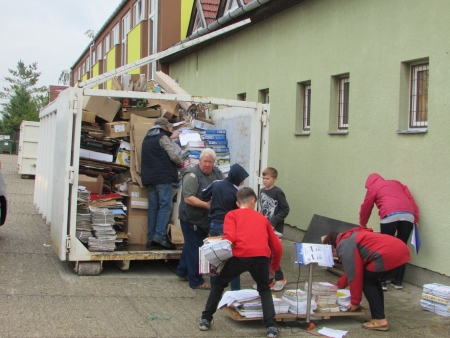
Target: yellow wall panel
(95, 72)
(134, 47)
(110, 64)
(186, 9)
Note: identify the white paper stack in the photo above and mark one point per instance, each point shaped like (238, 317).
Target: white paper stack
(436, 298)
(240, 296)
(102, 225)
(343, 299)
(217, 251)
(253, 308)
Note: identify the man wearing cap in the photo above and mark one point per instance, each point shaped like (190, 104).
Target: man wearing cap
(159, 171)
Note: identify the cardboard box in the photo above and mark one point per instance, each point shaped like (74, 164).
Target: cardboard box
(103, 107)
(93, 184)
(174, 234)
(203, 124)
(138, 196)
(88, 116)
(170, 106)
(116, 129)
(137, 230)
(94, 155)
(143, 112)
(123, 153)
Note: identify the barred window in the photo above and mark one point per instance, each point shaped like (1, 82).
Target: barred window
(343, 101)
(418, 107)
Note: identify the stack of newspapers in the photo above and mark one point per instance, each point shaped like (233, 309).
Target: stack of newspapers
(436, 298)
(216, 250)
(253, 308)
(102, 226)
(298, 301)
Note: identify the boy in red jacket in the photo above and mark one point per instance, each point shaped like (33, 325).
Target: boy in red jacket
(367, 257)
(254, 242)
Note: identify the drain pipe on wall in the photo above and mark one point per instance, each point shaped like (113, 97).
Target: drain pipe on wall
(227, 17)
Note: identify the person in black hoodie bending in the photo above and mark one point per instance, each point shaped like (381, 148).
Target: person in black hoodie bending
(223, 198)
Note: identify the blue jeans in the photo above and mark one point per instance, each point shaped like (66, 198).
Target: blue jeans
(216, 229)
(188, 265)
(159, 209)
(259, 270)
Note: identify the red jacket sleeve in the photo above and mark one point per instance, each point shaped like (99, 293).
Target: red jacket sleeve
(275, 247)
(229, 227)
(366, 208)
(416, 208)
(356, 285)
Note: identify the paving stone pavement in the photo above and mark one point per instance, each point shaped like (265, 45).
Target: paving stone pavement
(40, 296)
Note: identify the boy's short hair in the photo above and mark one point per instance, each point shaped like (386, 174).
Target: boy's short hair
(269, 171)
(245, 195)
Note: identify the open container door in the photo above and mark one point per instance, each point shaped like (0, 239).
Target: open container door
(246, 128)
(54, 172)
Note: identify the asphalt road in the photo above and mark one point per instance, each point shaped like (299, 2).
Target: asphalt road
(40, 296)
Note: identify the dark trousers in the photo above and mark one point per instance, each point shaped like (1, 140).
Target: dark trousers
(403, 230)
(374, 293)
(258, 267)
(188, 265)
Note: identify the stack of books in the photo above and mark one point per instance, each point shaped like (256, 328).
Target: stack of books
(324, 293)
(216, 139)
(436, 298)
(297, 300)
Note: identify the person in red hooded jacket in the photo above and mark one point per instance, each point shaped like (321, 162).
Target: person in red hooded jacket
(397, 210)
(367, 257)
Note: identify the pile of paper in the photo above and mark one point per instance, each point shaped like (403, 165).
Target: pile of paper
(83, 222)
(217, 250)
(253, 308)
(230, 297)
(343, 299)
(298, 300)
(436, 298)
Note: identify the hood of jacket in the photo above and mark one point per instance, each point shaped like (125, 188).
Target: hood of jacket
(237, 174)
(156, 130)
(350, 232)
(372, 179)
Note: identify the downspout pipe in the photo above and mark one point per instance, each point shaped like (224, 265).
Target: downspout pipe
(227, 17)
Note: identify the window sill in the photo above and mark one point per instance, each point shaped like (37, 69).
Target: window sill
(413, 131)
(302, 133)
(340, 132)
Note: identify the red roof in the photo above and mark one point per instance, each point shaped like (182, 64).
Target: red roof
(55, 90)
(210, 8)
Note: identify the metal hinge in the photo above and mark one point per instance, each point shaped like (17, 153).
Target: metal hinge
(71, 175)
(68, 244)
(264, 118)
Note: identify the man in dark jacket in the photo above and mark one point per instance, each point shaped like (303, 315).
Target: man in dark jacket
(222, 194)
(159, 171)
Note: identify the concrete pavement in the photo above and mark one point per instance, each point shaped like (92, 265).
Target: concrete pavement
(41, 296)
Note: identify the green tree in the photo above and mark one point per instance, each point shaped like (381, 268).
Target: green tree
(24, 98)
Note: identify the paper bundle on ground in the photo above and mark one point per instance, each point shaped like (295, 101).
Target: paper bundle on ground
(216, 250)
(436, 298)
(323, 292)
(253, 308)
(343, 299)
(230, 297)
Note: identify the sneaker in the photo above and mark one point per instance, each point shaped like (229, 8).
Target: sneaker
(164, 243)
(205, 325)
(396, 284)
(255, 286)
(384, 286)
(279, 285)
(272, 332)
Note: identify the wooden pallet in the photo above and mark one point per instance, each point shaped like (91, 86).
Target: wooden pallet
(290, 317)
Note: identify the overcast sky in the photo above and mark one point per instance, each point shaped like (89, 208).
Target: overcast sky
(49, 32)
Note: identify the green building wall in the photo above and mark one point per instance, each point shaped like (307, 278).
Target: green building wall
(372, 41)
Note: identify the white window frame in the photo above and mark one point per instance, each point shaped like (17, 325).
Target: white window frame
(138, 13)
(115, 35)
(343, 102)
(415, 92)
(307, 107)
(152, 35)
(78, 74)
(126, 27)
(266, 97)
(83, 68)
(99, 51)
(107, 44)
(87, 64)
(94, 56)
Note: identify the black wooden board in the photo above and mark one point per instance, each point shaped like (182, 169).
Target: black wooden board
(321, 226)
